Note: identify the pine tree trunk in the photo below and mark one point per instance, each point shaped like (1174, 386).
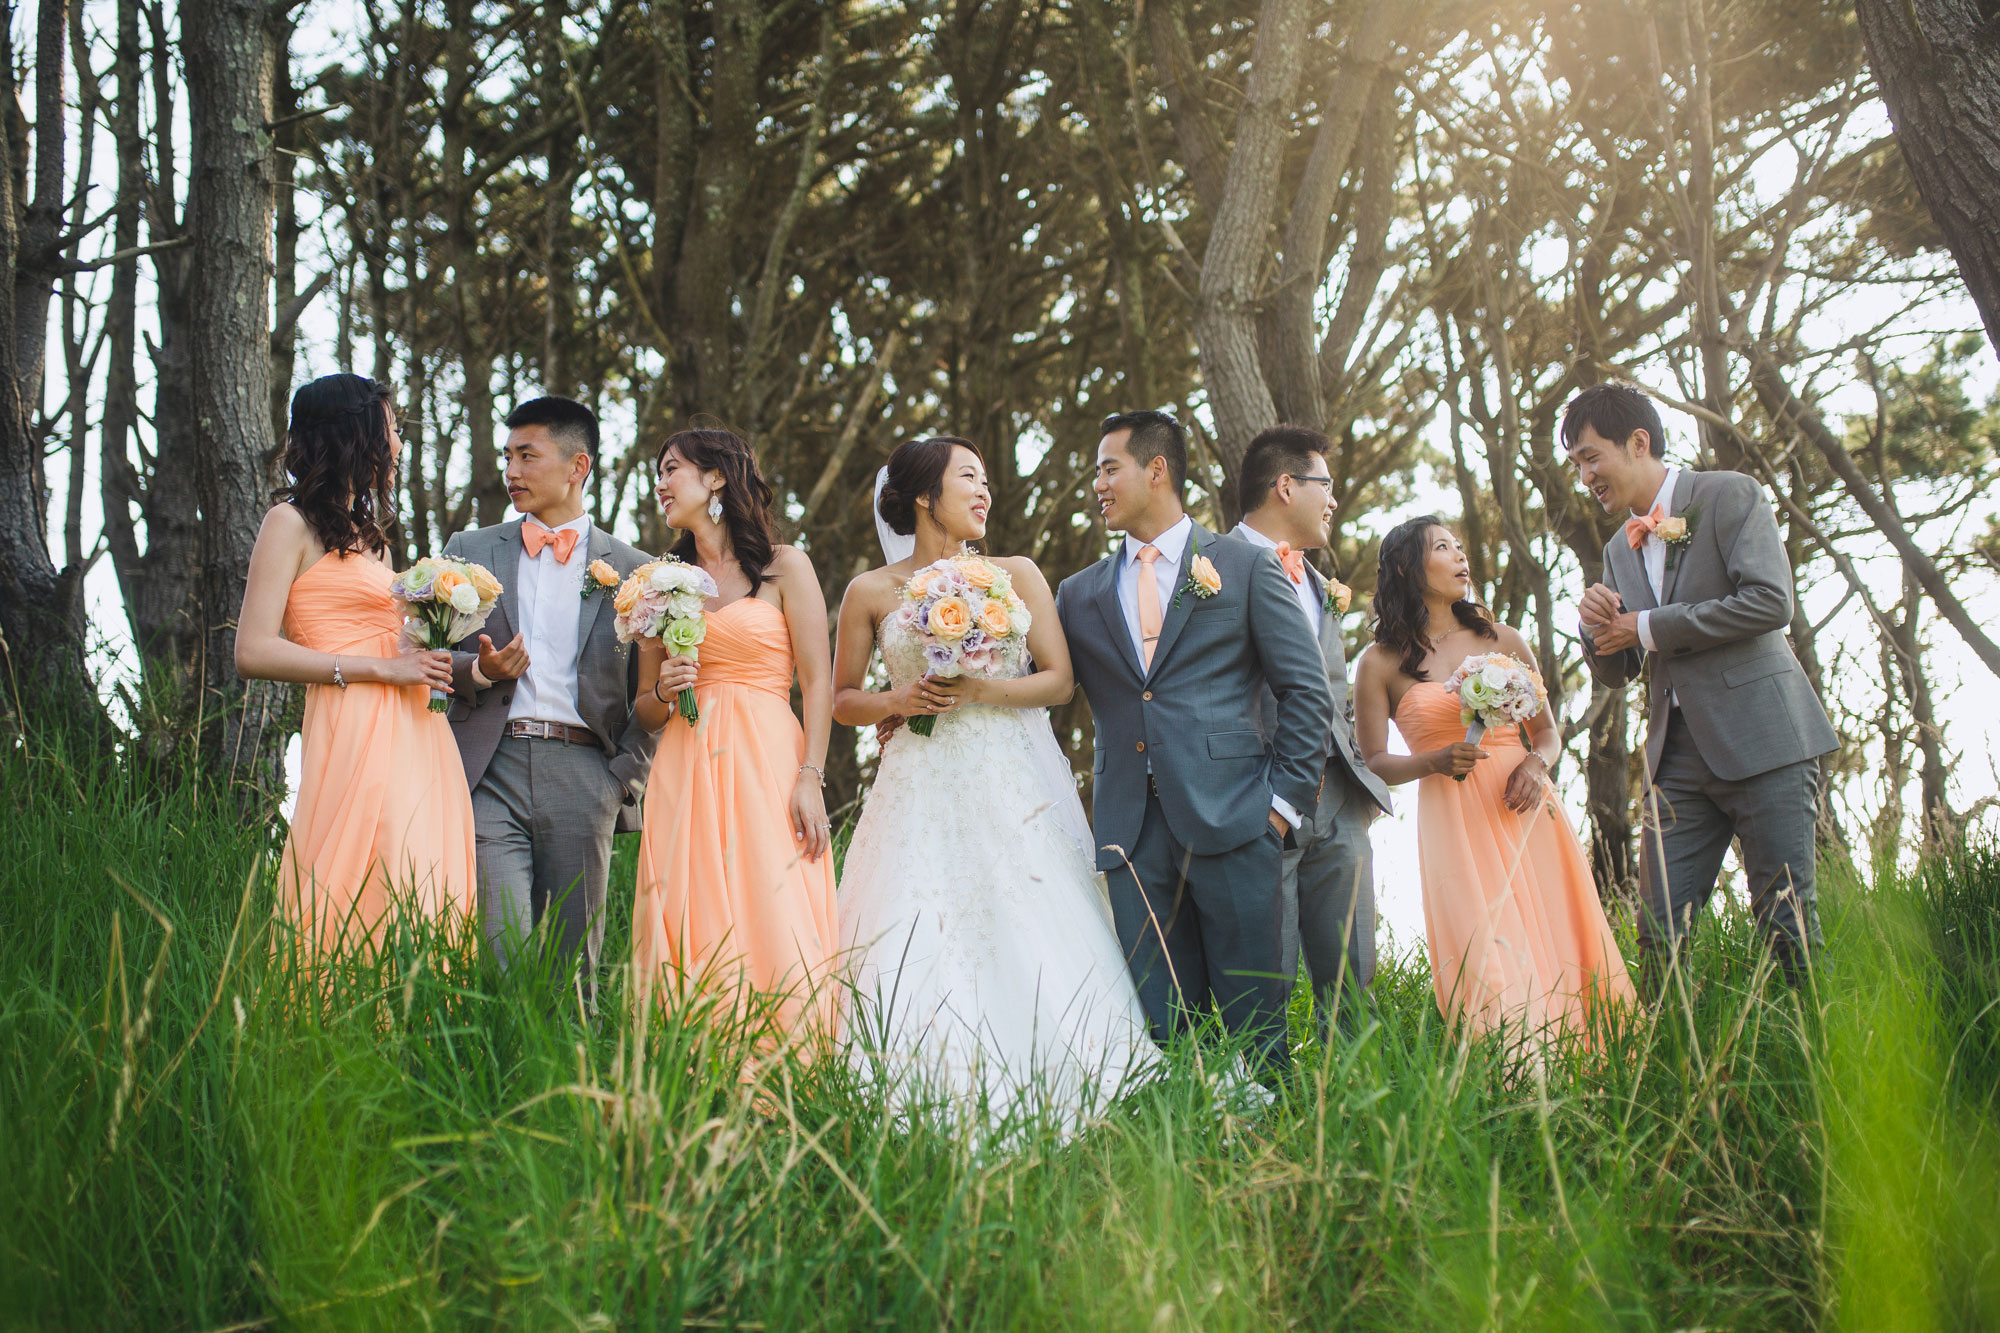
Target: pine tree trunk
(232, 194)
(1938, 64)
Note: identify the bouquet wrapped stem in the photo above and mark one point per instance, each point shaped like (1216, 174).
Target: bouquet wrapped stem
(443, 601)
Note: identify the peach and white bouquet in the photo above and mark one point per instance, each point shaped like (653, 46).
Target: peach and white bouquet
(1495, 690)
(966, 612)
(667, 599)
(443, 601)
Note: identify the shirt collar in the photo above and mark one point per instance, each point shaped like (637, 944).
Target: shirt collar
(1169, 544)
(580, 524)
(1664, 501)
(1254, 537)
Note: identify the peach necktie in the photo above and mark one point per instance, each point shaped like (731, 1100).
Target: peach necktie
(535, 537)
(1294, 563)
(1149, 602)
(1638, 528)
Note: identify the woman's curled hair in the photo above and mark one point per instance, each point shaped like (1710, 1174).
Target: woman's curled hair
(343, 472)
(746, 496)
(916, 469)
(1400, 616)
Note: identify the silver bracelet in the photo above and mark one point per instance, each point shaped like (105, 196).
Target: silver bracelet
(338, 679)
(817, 770)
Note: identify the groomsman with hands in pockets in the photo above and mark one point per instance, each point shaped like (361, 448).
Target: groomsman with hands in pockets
(1697, 587)
(1286, 495)
(542, 702)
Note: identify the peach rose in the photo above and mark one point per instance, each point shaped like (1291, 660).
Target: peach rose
(628, 596)
(448, 582)
(1340, 595)
(995, 620)
(484, 583)
(1672, 529)
(1204, 576)
(977, 572)
(606, 576)
(951, 619)
(919, 584)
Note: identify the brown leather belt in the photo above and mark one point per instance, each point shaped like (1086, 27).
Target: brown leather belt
(529, 729)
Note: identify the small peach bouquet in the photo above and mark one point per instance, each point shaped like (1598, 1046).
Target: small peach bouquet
(443, 601)
(667, 599)
(1495, 690)
(967, 614)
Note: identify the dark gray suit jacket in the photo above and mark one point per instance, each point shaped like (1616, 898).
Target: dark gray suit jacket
(1720, 630)
(1198, 715)
(1345, 752)
(606, 670)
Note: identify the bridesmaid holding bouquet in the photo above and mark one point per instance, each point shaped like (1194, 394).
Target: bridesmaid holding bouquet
(383, 814)
(735, 886)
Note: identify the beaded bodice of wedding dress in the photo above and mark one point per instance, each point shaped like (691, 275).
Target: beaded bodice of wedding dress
(980, 938)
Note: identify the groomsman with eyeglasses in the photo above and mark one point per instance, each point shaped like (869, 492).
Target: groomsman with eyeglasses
(542, 703)
(1286, 494)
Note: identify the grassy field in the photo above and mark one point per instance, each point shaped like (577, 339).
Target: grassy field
(189, 1140)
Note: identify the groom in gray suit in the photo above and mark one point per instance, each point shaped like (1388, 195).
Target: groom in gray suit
(1286, 496)
(1698, 588)
(553, 753)
(1199, 784)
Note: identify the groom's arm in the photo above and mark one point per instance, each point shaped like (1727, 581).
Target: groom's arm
(1296, 673)
(1754, 558)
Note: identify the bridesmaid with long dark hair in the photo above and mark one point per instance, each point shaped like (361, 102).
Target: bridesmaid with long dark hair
(383, 812)
(735, 889)
(1516, 933)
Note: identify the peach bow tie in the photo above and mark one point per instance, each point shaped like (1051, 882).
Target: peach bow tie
(1637, 529)
(535, 537)
(1293, 561)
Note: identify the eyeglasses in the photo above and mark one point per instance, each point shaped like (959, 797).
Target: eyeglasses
(1323, 481)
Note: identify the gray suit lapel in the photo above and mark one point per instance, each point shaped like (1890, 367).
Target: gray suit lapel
(598, 548)
(1180, 605)
(1106, 598)
(1330, 645)
(1630, 573)
(1683, 497)
(507, 568)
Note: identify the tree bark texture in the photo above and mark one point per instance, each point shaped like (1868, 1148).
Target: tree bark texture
(232, 194)
(1938, 64)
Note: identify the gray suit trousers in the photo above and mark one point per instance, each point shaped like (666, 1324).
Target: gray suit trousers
(543, 816)
(1214, 924)
(1698, 814)
(1329, 902)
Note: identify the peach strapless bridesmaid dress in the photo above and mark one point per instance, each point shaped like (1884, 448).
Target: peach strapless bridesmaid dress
(1516, 932)
(383, 814)
(726, 900)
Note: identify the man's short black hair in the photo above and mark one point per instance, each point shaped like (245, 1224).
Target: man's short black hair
(1154, 435)
(569, 422)
(1614, 410)
(1274, 453)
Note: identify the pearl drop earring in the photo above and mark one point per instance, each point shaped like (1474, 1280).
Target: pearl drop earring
(715, 507)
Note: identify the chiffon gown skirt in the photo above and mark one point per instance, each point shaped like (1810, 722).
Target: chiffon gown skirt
(977, 935)
(727, 902)
(1516, 933)
(383, 818)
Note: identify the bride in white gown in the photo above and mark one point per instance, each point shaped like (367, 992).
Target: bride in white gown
(978, 937)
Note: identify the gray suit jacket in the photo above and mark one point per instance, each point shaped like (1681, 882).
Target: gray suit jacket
(606, 670)
(1720, 630)
(1198, 715)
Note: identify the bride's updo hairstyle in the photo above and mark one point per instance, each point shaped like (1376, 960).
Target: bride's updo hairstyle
(746, 496)
(916, 470)
(1400, 617)
(343, 472)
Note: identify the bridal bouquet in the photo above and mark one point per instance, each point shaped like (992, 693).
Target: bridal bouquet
(1495, 690)
(667, 600)
(443, 601)
(965, 611)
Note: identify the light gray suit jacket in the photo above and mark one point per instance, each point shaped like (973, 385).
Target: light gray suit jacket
(1198, 714)
(1720, 631)
(606, 670)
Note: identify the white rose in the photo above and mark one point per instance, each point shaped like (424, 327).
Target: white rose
(1495, 675)
(465, 599)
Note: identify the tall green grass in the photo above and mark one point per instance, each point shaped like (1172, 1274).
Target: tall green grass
(192, 1138)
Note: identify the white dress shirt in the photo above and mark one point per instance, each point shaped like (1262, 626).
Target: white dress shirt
(548, 601)
(1303, 590)
(1171, 545)
(1653, 554)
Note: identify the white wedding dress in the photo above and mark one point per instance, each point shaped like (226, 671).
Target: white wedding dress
(986, 971)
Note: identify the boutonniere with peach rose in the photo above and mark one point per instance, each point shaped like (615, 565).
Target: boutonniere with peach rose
(1677, 530)
(1338, 597)
(600, 577)
(1202, 580)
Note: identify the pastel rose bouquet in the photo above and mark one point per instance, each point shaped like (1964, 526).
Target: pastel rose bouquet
(1495, 690)
(966, 612)
(667, 599)
(443, 601)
